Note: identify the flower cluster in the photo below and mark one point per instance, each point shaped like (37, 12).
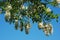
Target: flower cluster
(47, 28)
(58, 1)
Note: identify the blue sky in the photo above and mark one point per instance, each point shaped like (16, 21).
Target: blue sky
(8, 32)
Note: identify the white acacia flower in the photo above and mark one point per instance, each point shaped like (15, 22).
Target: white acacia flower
(28, 26)
(42, 5)
(48, 29)
(40, 25)
(24, 7)
(48, 10)
(58, 1)
(9, 7)
(47, 33)
(51, 29)
(7, 15)
(46, 25)
(16, 21)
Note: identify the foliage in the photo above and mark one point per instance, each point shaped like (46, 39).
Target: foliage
(20, 12)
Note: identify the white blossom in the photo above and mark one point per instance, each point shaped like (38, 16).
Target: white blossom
(40, 25)
(48, 10)
(9, 7)
(42, 5)
(24, 7)
(51, 29)
(47, 33)
(48, 29)
(7, 15)
(58, 1)
(28, 26)
(16, 21)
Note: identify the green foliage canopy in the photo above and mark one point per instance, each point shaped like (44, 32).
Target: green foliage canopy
(18, 13)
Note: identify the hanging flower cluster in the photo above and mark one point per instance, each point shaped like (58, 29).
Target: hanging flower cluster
(47, 28)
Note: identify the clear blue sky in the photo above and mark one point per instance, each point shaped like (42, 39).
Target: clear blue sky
(7, 31)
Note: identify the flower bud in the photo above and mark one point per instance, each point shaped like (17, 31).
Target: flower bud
(24, 7)
(27, 31)
(21, 26)
(16, 24)
(40, 25)
(48, 10)
(27, 27)
(50, 29)
(7, 15)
